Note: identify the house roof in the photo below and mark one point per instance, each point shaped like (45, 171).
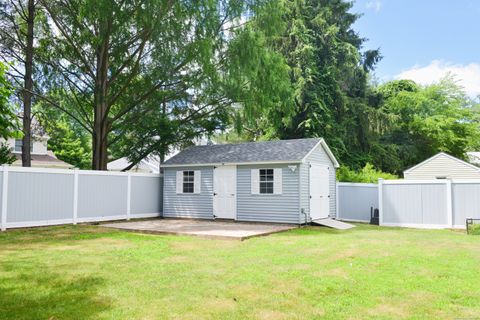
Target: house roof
(295, 150)
(150, 163)
(440, 154)
(44, 160)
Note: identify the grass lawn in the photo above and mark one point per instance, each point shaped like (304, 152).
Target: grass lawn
(88, 272)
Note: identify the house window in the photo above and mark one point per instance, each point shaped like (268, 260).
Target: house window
(266, 181)
(19, 144)
(188, 181)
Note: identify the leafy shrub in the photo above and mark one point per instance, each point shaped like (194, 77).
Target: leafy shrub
(367, 174)
(474, 229)
(5, 154)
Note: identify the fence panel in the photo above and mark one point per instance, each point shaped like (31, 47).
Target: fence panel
(466, 202)
(40, 196)
(146, 196)
(421, 204)
(355, 201)
(102, 196)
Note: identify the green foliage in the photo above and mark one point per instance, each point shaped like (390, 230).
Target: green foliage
(6, 157)
(68, 141)
(368, 174)
(424, 121)
(8, 119)
(474, 229)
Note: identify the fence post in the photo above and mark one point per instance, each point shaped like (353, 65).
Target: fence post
(337, 198)
(448, 187)
(129, 194)
(380, 201)
(75, 195)
(4, 198)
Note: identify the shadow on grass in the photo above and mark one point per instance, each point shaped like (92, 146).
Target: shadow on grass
(31, 291)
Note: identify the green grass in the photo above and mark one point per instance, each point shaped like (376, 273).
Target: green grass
(88, 272)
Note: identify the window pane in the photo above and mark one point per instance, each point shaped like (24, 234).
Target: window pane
(18, 145)
(266, 181)
(188, 181)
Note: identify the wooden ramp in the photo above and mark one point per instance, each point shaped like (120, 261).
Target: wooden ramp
(335, 224)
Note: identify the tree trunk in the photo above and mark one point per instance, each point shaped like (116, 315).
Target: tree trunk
(101, 124)
(28, 85)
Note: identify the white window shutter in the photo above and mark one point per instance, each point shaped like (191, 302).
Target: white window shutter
(197, 181)
(255, 181)
(179, 181)
(277, 181)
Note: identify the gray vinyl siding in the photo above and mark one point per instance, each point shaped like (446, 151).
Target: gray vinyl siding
(197, 206)
(318, 156)
(39, 197)
(146, 195)
(102, 196)
(279, 208)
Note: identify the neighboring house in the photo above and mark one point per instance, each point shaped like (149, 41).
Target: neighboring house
(442, 166)
(40, 155)
(474, 157)
(150, 164)
(286, 181)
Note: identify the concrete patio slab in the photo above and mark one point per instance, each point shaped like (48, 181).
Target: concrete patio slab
(208, 229)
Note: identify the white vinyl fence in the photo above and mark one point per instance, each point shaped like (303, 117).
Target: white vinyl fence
(39, 196)
(355, 201)
(428, 203)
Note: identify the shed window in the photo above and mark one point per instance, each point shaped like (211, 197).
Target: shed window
(266, 181)
(188, 181)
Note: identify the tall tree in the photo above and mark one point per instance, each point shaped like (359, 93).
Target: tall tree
(8, 119)
(425, 120)
(328, 76)
(117, 63)
(17, 48)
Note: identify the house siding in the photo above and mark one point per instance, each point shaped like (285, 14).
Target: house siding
(442, 166)
(279, 208)
(318, 156)
(196, 206)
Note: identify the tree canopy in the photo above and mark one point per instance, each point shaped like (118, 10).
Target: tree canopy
(134, 78)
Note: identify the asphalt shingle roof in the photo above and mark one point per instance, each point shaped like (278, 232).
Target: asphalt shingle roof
(263, 151)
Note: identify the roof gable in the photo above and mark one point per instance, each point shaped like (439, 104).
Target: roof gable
(438, 155)
(294, 150)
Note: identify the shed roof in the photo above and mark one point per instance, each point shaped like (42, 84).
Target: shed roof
(294, 150)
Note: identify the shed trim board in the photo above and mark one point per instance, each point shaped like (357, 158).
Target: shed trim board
(228, 164)
(288, 202)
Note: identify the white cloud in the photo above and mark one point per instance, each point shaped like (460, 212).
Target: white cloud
(375, 5)
(467, 76)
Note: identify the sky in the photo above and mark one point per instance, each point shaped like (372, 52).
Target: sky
(423, 40)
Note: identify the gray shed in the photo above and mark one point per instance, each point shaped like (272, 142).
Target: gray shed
(284, 181)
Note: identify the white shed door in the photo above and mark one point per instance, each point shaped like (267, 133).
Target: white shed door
(224, 192)
(319, 191)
